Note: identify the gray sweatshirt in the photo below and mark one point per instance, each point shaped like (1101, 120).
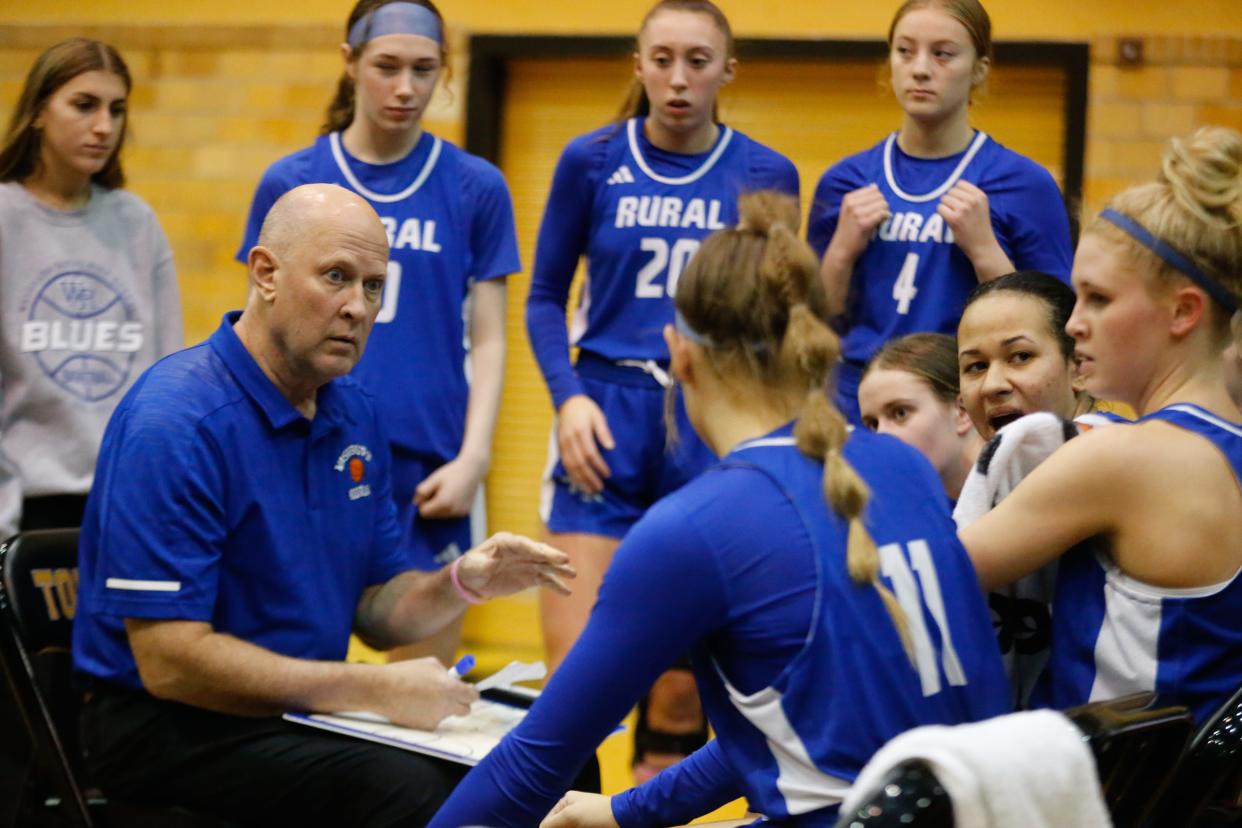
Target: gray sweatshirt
(88, 300)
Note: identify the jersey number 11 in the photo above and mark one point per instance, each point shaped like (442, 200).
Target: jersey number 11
(911, 598)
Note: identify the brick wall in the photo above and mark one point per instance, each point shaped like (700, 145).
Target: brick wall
(1182, 83)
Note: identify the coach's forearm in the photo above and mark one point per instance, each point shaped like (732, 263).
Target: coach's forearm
(188, 662)
(407, 608)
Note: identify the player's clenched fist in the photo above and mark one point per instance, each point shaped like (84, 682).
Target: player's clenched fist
(862, 211)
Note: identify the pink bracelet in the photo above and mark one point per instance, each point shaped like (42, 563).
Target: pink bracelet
(468, 595)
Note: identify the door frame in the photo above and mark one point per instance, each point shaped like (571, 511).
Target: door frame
(490, 56)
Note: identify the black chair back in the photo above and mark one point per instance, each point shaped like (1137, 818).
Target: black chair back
(1136, 751)
(38, 599)
(909, 796)
(1207, 788)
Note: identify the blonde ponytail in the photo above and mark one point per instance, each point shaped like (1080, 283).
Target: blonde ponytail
(821, 432)
(753, 292)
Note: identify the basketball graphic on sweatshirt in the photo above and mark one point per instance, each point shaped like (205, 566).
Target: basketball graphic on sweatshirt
(82, 332)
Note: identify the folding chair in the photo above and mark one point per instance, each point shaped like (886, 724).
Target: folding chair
(1136, 751)
(38, 600)
(1207, 788)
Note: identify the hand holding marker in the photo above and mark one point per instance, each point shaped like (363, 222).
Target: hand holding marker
(463, 666)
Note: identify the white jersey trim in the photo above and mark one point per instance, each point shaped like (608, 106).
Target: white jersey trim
(334, 139)
(142, 586)
(632, 133)
(948, 183)
(547, 486)
(1207, 417)
(1142, 591)
(764, 442)
(802, 785)
(1126, 647)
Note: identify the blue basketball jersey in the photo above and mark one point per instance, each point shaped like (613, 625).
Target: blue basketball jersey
(798, 744)
(913, 277)
(1113, 635)
(802, 672)
(638, 214)
(449, 219)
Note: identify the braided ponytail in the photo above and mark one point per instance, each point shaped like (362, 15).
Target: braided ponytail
(754, 292)
(821, 433)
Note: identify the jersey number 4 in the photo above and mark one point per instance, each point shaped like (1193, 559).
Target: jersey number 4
(665, 258)
(912, 599)
(904, 290)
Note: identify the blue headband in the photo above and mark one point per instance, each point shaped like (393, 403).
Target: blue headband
(683, 327)
(396, 18)
(1172, 257)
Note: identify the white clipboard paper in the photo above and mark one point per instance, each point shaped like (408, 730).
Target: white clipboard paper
(462, 739)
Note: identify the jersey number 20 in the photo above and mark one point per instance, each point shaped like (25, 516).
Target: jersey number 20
(673, 259)
(894, 566)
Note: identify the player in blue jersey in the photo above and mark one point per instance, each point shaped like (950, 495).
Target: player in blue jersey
(1158, 276)
(824, 597)
(635, 198)
(908, 227)
(450, 227)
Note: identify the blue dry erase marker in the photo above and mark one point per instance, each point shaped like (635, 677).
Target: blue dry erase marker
(463, 666)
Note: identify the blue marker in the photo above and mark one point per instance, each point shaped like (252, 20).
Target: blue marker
(463, 666)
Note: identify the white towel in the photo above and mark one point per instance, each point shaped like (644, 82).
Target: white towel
(1008, 458)
(1024, 770)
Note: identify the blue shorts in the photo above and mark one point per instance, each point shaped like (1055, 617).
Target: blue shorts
(434, 542)
(644, 467)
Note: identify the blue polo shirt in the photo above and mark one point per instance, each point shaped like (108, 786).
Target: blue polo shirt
(215, 500)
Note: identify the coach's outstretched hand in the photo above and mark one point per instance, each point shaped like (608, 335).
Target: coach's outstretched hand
(506, 563)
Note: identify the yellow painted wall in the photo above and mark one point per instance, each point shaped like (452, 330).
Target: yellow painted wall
(1065, 19)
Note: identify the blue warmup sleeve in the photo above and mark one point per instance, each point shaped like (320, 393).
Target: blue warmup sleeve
(493, 234)
(821, 222)
(1040, 230)
(773, 171)
(562, 240)
(697, 785)
(645, 619)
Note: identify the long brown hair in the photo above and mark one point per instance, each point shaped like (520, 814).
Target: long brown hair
(340, 112)
(636, 103)
(21, 155)
(753, 291)
(932, 357)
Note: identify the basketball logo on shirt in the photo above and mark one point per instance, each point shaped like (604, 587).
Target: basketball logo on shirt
(355, 458)
(82, 331)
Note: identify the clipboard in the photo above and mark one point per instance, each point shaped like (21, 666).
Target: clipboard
(461, 739)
